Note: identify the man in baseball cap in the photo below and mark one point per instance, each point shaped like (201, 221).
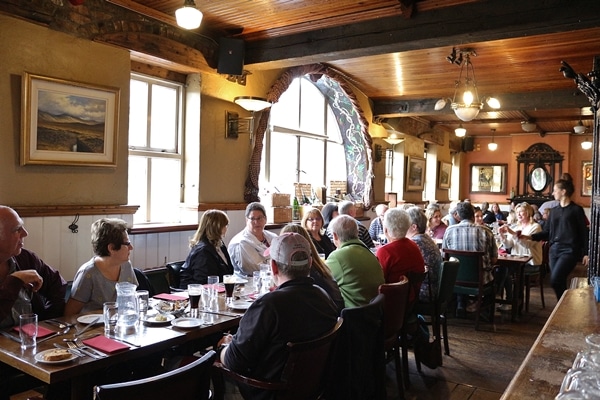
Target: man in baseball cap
(296, 311)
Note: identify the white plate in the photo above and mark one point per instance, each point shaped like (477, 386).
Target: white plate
(240, 305)
(186, 323)
(151, 320)
(39, 357)
(87, 319)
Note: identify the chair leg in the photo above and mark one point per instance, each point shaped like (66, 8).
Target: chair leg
(527, 292)
(542, 290)
(399, 372)
(445, 331)
(404, 347)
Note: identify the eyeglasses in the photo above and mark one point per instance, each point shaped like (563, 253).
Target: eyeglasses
(314, 219)
(126, 244)
(257, 219)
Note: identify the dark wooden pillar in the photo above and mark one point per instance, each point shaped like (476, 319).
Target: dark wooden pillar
(589, 85)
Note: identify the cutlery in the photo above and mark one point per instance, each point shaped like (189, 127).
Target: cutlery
(73, 346)
(55, 334)
(223, 313)
(11, 337)
(86, 349)
(123, 341)
(88, 326)
(58, 323)
(72, 351)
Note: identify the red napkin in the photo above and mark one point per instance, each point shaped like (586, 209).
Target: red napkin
(220, 289)
(502, 251)
(105, 344)
(42, 332)
(170, 297)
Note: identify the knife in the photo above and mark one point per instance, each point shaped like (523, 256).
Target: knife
(123, 341)
(72, 351)
(88, 326)
(11, 337)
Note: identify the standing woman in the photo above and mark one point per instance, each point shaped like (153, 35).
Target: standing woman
(94, 282)
(435, 226)
(313, 223)
(567, 232)
(208, 254)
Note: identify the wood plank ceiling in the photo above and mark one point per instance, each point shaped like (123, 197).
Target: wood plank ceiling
(394, 51)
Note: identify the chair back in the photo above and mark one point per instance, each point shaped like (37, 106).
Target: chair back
(305, 371)
(470, 271)
(358, 371)
(143, 282)
(174, 271)
(545, 257)
(190, 382)
(394, 308)
(158, 280)
(448, 275)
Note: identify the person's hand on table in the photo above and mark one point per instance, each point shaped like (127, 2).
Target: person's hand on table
(222, 346)
(30, 278)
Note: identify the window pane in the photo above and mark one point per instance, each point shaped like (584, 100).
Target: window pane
(136, 192)
(164, 190)
(312, 109)
(312, 155)
(284, 150)
(138, 113)
(333, 129)
(336, 163)
(285, 111)
(164, 118)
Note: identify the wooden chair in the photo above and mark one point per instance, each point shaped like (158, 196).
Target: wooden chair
(358, 368)
(190, 382)
(436, 311)
(532, 272)
(410, 326)
(158, 279)
(394, 309)
(174, 270)
(304, 373)
(470, 280)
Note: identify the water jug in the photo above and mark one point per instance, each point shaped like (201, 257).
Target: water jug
(127, 304)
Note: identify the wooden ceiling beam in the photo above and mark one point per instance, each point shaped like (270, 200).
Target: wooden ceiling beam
(449, 26)
(547, 100)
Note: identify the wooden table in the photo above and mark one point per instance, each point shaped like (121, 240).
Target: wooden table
(576, 315)
(516, 266)
(152, 339)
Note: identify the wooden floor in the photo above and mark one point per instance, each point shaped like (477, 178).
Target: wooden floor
(481, 363)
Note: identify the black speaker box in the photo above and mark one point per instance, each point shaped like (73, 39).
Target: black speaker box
(231, 56)
(468, 144)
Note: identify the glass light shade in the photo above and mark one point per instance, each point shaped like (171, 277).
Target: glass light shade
(252, 104)
(188, 16)
(466, 113)
(468, 98)
(528, 126)
(579, 128)
(586, 144)
(441, 103)
(460, 131)
(493, 102)
(393, 139)
(493, 146)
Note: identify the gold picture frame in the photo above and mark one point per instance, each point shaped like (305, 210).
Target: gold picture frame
(488, 178)
(68, 123)
(586, 178)
(444, 175)
(415, 174)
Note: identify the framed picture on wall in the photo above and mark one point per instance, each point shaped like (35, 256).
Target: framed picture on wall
(586, 178)
(488, 178)
(68, 123)
(444, 175)
(415, 174)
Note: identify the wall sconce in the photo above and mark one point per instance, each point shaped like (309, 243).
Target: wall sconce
(236, 125)
(188, 16)
(586, 144)
(528, 126)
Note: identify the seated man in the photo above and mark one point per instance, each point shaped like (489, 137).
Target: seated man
(296, 311)
(467, 236)
(27, 284)
(376, 228)
(247, 247)
(348, 208)
(353, 265)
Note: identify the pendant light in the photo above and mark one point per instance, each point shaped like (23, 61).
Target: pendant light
(493, 146)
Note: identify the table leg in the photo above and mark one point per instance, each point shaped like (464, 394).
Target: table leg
(81, 388)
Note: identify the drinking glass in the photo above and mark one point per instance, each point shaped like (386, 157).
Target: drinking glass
(213, 285)
(229, 282)
(110, 311)
(596, 286)
(593, 341)
(142, 296)
(28, 330)
(195, 292)
(256, 281)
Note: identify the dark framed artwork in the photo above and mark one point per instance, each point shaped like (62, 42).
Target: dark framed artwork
(415, 174)
(445, 173)
(488, 178)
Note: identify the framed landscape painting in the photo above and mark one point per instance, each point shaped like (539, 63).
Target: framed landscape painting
(415, 174)
(444, 175)
(68, 123)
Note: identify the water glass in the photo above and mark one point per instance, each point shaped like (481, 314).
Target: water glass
(213, 285)
(194, 292)
(28, 330)
(596, 286)
(593, 341)
(110, 311)
(142, 296)
(256, 281)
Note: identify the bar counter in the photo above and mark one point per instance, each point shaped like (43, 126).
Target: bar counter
(575, 316)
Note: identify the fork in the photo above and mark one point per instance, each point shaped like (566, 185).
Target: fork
(88, 350)
(74, 346)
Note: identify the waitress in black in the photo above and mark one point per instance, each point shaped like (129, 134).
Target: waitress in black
(208, 254)
(567, 232)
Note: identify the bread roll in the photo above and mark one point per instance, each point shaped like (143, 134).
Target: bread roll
(56, 355)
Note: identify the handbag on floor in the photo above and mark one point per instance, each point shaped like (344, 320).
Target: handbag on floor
(429, 352)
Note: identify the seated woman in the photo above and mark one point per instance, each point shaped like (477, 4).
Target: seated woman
(498, 213)
(429, 250)
(313, 223)
(435, 226)
(208, 254)
(247, 247)
(94, 282)
(319, 271)
(400, 255)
